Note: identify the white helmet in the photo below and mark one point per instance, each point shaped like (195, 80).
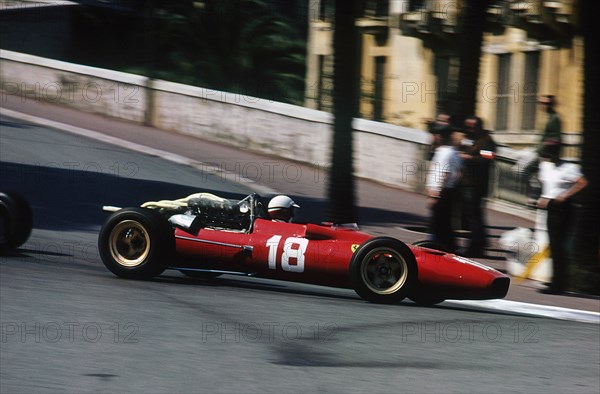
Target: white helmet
(281, 208)
(282, 202)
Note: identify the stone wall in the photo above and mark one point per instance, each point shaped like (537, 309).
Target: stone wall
(85, 88)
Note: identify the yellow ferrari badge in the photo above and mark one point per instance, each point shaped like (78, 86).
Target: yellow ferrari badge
(354, 247)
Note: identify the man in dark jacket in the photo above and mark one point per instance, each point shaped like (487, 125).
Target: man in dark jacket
(553, 128)
(478, 153)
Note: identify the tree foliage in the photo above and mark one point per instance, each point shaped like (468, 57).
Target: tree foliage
(239, 46)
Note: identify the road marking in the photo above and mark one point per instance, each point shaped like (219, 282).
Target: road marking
(523, 308)
(172, 157)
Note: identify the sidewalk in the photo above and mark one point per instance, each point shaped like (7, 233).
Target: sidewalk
(383, 210)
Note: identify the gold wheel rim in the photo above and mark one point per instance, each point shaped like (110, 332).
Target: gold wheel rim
(384, 271)
(129, 243)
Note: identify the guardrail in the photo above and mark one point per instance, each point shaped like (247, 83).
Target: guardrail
(510, 183)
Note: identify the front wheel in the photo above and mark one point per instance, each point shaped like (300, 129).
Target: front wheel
(383, 270)
(136, 243)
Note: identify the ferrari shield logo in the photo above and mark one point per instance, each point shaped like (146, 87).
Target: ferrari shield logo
(354, 247)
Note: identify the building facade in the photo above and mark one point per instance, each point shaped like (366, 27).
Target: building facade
(409, 63)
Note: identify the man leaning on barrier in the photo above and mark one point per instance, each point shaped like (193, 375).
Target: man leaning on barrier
(561, 182)
(552, 132)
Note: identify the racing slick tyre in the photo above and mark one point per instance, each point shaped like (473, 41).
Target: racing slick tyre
(432, 245)
(136, 243)
(16, 220)
(383, 270)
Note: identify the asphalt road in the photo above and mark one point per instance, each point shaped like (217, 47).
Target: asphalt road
(68, 325)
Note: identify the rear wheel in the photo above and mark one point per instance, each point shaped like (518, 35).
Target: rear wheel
(136, 243)
(16, 220)
(383, 270)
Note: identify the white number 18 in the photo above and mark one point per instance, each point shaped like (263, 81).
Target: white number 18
(293, 248)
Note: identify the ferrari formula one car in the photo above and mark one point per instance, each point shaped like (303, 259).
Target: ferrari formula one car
(204, 235)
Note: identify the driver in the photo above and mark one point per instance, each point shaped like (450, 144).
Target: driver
(281, 208)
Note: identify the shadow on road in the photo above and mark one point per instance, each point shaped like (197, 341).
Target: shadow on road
(71, 200)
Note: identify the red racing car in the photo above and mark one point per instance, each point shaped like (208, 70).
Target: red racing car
(205, 236)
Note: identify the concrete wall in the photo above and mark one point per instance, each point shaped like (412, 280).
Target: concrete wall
(383, 152)
(86, 88)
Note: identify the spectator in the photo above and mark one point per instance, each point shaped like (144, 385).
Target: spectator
(442, 120)
(442, 182)
(552, 132)
(553, 128)
(561, 181)
(477, 152)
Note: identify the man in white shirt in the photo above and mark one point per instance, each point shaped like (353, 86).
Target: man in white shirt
(561, 181)
(442, 181)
